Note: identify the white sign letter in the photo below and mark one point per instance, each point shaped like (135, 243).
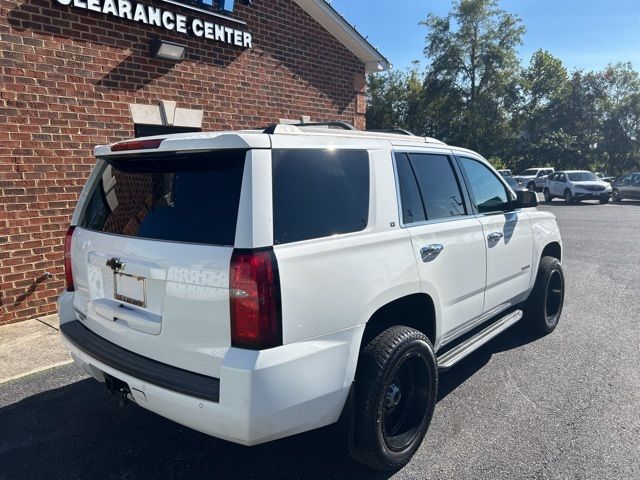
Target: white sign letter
(168, 20)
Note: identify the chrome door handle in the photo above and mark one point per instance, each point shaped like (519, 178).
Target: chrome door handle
(429, 251)
(495, 236)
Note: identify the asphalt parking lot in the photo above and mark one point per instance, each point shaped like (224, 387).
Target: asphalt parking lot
(562, 406)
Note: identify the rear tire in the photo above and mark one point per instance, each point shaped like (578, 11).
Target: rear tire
(547, 195)
(396, 390)
(544, 305)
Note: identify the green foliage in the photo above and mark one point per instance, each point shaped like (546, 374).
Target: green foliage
(475, 93)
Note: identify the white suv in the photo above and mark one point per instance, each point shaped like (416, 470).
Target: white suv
(576, 185)
(534, 178)
(257, 284)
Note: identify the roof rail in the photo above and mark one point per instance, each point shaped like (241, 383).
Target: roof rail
(346, 129)
(271, 129)
(399, 131)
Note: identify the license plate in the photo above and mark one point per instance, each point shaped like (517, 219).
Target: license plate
(130, 289)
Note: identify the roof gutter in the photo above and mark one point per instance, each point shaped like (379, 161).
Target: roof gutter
(346, 33)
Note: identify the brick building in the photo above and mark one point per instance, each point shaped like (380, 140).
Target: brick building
(76, 73)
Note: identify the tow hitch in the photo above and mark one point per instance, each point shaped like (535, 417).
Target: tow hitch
(117, 388)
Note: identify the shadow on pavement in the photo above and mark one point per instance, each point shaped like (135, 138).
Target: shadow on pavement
(79, 432)
(451, 379)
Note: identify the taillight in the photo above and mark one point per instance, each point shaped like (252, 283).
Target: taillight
(137, 145)
(68, 273)
(254, 298)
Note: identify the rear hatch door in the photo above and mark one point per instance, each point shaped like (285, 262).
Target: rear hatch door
(151, 255)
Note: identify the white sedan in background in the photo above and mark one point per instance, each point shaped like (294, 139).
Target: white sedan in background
(576, 185)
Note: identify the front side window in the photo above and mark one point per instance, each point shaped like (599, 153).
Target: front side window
(489, 192)
(185, 198)
(319, 193)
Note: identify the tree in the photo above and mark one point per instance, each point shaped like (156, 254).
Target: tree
(471, 81)
(475, 94)
(619, 145)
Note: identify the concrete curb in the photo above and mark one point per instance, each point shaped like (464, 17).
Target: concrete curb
(30, 347)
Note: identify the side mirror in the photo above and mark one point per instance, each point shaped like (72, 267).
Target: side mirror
(526, 199)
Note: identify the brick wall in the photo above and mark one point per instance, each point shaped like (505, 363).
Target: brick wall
(67, 77)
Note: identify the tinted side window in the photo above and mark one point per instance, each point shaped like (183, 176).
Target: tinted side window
(319, 193)
(438, 186)
(489, 192)
(412, 208)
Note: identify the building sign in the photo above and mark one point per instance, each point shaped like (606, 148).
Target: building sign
(174, 22)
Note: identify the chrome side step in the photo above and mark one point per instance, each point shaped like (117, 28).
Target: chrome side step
(453, 356)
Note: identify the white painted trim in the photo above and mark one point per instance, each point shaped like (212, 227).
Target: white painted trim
(335, 24)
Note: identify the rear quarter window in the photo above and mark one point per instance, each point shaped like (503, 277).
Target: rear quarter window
(185, 198)
(319, 193)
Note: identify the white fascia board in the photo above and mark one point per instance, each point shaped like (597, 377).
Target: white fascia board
(335, 24)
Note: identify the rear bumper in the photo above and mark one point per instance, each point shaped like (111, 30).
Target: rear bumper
(137, 366)
(263, 395)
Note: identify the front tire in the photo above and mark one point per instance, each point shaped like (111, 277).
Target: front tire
(396, 390)
(615, 195)
(547, 195)
(544, 306)
(604, 199)
(531, 187)
(568, 196)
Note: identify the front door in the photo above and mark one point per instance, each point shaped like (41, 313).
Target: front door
(507, 234)
(448, 241)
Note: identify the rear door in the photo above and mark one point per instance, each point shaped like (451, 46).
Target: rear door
(151, 256)
(558, 184)
(507, 232)
(447, 240)
(634, 188)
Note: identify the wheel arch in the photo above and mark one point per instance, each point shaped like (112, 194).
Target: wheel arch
(552, 249)
(416, 310)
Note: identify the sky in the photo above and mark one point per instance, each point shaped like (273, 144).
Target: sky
(585, 34)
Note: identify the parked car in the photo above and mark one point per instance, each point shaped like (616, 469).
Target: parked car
(576, 185)
(505, 172)
(516, 185)
(534, 178)
(627, 186)
(604, 177)
(253, 285)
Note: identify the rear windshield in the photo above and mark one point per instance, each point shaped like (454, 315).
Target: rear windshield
(319, 193)
(185, 198)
